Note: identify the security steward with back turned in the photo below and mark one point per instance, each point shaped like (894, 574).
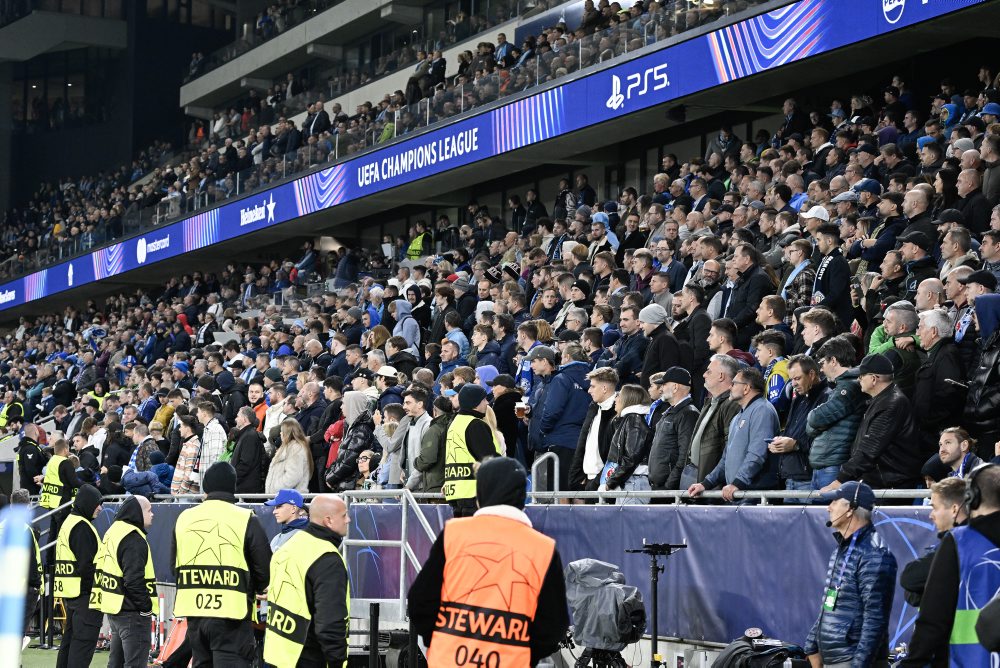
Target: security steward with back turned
(491, 592)
(962, 580)
(125, 583)
(220, 560)
(76, 548)
(469, 441)
(59, 484)
(309, 600)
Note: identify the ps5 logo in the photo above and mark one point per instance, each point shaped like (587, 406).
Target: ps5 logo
(893, 10)
(255, 214)
(638, 80)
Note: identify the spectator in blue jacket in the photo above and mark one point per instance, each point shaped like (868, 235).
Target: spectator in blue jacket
(137, 483)
(853, 624)
(565, 409)
(744, 461)
(407, 326)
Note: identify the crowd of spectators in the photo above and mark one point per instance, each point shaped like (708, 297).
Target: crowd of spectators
(64, 218)
(816, 308)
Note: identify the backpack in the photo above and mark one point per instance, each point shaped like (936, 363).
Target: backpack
(753, 650)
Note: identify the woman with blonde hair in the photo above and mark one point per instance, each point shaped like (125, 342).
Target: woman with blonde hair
(491, 419)
(377, 336)
(627, 465)
(545, 333)
(292, 465)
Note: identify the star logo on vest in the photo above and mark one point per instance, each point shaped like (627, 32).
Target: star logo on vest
(498, 573)
(213, 542)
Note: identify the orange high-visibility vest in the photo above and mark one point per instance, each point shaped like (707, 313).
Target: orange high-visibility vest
(493, 573)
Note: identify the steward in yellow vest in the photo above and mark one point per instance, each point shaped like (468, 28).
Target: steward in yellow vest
(469, 440)
(309, 601)
(76, 549)
(125, 583)
(220, 561)
(491, 592)
(59, 483)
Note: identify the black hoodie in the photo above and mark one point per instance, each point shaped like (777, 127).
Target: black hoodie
(82, 541)
(133, 551)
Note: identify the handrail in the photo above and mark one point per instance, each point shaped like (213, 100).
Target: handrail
(534, 473)
(763, 496)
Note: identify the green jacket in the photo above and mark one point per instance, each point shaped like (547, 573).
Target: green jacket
(430, 461)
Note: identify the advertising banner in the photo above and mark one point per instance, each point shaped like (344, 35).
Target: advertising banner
(748, 47)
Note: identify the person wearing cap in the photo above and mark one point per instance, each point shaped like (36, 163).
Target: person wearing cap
(914, 249)
(962, 579)
(673, 432)
(884, 452)
(974, 206)
(852, 628)
(469, 441)
(496, 547)
(869, 193)
(289, 511)
(881, 238)
(220, 558)
(831, 287)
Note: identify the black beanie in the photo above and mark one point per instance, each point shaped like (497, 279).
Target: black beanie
(501, 481)
(220, 477)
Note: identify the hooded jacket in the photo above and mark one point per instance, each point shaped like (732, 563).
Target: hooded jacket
(82, 540)
(982, 404)
(404, 362)
(132, 554)
(359, 435)
(489, 355)
(662, 353)
(407, 326)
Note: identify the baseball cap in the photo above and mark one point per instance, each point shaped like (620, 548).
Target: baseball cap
(987, 279)
(542, 352)
(387, 371)
(503, 380)
(284, 496)
(273, 374)
(857, 493)
(818, 212)
(676, 374)
(364, 373)
(868, 186)
(950, 216)
(917, 238)
(877, 364)
(991, 108)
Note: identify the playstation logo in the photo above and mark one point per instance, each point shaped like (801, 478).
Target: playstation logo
(617, 99)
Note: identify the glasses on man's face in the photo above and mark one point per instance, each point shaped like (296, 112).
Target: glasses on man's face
(740, 382)
(364, 458)
(710, 272)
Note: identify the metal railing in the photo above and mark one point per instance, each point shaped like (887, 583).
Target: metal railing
(535, 466)
(679, 496)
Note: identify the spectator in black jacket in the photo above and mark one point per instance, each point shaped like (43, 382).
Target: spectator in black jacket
(595, 434)
(662, 351)
(673, 432)
(939, 388)
(833, 276)
(248, 455)
(885, 453)
(753, 285)
(974, 206)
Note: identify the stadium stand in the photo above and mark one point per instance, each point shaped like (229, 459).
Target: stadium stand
(805, 307)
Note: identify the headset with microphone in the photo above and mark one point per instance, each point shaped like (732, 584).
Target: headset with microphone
(850, 509)
(973, 493)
